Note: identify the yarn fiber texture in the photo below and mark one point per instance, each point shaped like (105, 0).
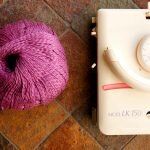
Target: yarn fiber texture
(33, 66)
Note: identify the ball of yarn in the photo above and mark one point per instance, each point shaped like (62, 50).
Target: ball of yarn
(33, 66)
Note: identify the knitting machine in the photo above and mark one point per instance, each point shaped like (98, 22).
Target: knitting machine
(123, 63)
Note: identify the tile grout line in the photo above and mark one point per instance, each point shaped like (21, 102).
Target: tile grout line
(128, 142)
(80, 36)
(67, 23)
(60, 36)
(68, 113)
(71, 112)
(48, 135)
(79, 106)
(12, 143)
(135, 4)
(61, 104)
(87, 132)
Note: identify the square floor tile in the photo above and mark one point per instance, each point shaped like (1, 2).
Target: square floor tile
(70, 136)
(28, 128)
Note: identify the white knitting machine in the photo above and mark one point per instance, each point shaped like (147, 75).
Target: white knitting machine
(123, 64)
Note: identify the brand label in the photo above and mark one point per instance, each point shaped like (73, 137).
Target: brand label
(126, 113)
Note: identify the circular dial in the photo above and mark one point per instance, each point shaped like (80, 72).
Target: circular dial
(143, 53)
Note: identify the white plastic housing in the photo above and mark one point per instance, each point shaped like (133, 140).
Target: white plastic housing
(122, 111)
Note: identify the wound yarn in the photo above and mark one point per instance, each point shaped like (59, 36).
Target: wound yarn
(33, 66)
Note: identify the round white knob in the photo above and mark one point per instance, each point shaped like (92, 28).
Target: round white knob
(143, 53)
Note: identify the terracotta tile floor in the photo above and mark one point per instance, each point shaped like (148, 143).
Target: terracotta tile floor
(65, 124)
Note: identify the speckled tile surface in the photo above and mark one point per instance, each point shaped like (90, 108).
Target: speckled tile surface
(70, 136)
(28, 128)
(65, 124)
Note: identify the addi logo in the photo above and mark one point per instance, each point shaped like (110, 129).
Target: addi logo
(126, 113)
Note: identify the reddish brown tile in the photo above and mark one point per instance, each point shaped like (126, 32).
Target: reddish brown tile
(1, 2)
(70, 136)
(84, 116)
(78, 56)
(139, 142)
(14, 10)
(5, 144)
(28, 128)
(68, 8)
(141, 3)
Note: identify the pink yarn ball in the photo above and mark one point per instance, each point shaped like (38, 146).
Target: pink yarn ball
(33, 66)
